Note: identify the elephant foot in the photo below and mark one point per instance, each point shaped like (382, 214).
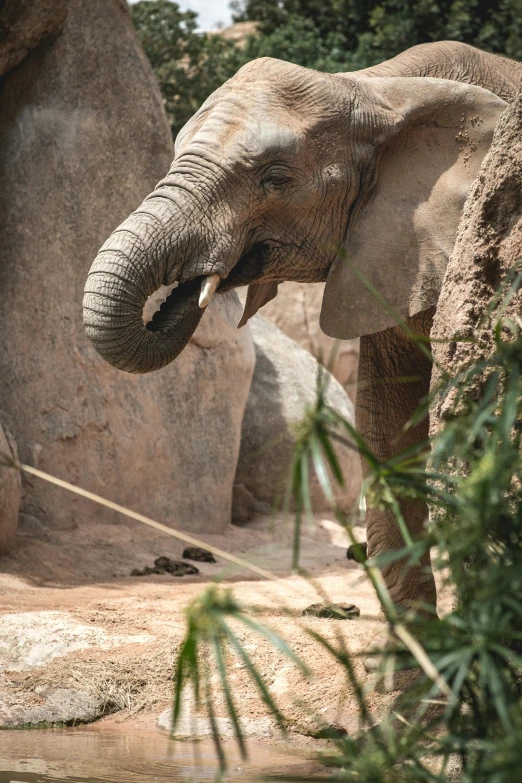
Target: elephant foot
(380, 641)
(384, 639)
(412, 590)
(380, 663)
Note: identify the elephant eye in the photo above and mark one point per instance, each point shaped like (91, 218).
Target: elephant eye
(275, 179)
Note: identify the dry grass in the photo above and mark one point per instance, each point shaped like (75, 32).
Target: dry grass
(133, 681)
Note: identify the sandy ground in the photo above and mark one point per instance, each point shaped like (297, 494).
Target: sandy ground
(124, 631)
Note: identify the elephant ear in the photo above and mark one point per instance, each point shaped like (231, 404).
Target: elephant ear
(258, 295)
(428, 144)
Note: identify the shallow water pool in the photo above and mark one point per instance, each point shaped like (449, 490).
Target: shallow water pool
(94, 755)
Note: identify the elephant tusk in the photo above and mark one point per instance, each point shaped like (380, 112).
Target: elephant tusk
(208, 287)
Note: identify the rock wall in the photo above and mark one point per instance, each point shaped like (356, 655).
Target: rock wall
(296, 310)
(24, 24)
(489, 243)
(9, 493)
(83, 138)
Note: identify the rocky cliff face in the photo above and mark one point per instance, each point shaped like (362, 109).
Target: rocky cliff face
(488, 246)
(24, 25)
(83, 138)
(9, 493)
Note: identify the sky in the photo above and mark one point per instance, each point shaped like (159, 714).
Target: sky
(210, 11)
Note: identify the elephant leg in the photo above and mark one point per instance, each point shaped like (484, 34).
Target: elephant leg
(394, 375)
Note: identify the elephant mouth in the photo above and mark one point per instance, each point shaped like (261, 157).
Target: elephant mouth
(252, 265)
(181, 295)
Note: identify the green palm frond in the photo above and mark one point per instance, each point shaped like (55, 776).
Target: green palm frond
(207, 640)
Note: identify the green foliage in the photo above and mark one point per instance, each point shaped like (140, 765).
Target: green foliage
(188, 66)
(207, 640)
(465, 706)
(360, 34)
(474, 478)
(299, 42)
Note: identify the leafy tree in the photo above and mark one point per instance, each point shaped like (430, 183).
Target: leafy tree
(300, 42)
(188, 66)
(360, 34)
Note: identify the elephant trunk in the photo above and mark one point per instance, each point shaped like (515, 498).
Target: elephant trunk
(145, 252)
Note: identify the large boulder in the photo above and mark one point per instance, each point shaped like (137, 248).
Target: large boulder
(284, 383)
(83, 138)
(9, 492)
(296, 310)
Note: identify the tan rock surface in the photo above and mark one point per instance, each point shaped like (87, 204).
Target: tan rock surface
(296, 310)
(24, 25)
(9, 494)
(488, 246)
(83, 138)
(284, 384)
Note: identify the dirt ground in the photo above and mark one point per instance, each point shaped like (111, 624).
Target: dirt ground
(117, 635)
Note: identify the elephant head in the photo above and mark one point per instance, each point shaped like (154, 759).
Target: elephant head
(280, 170)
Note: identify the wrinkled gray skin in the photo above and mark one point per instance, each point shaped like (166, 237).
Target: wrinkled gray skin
(280, 168)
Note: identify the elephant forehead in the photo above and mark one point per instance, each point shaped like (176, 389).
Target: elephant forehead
(243, 131)
(262, 139)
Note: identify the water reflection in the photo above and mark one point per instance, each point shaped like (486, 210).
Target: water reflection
(88, 755)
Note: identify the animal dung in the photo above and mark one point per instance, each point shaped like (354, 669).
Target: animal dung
(175, 567)
(331, 731)
(164, 565)
(199, 554)
(333, 611)
(146, 571)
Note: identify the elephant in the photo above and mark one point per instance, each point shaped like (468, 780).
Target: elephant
(288, 174)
